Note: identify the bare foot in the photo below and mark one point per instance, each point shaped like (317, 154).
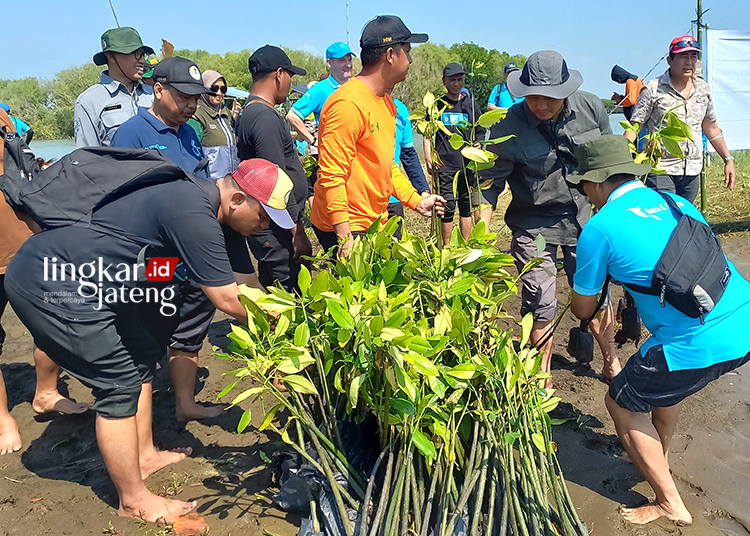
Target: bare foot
(50, 402)
(157, 459)
(155, 509)
(197, 412)
(652, 511)
(10, 438)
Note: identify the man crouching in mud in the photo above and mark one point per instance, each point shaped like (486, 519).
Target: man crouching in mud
(113, 349)
(627, 238)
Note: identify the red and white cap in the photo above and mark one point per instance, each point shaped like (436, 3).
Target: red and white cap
(683, 44)
(269, 185)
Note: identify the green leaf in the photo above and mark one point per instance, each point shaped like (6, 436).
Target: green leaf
(302, 335)
(293, 365)
(264, 456)
(388, 334)
(282, 324)
(443, 321)
(456, 141)
(478, 155)
(495, 141)
(268, 419)
(245, 394)
(340, 316)
(673, 147)
(511, 437)
(304, 279)
(423, 365)
(424, 445)
(428, 100)
(244, 421)
(630, 127)
(227, 389)
(538, 440)
(402, 406)
(389, 271)
(419, 345)
(354, 391)
(480, 166)
(300, 384)
(319, 286)
(242, 333)
(541, 244)
(557, 422)
(527, 325)
(464, 371)
(491, 117)
(337, 382)
(344, 335)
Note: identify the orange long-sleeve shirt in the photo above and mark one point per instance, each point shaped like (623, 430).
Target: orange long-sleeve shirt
(632, 89)
(356, 140)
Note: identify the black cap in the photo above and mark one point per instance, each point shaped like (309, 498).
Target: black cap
(388, 30)
(182, 74)
(269, 58)
(453, 69)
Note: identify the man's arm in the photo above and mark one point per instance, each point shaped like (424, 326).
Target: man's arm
(85, 131)
(226, 299)
(492, 101)
(413, 168)
(299, 126)
(641, 112)
(715, 136)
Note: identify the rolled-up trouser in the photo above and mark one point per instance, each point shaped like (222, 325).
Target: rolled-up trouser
(273, 248)
(112, 355)
(466, 201)
(196, 313)
(539, 284)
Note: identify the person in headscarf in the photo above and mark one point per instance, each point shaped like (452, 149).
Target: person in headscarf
(212, 122)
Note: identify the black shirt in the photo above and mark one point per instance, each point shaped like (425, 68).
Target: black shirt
(177, 219)
(263, 133)
(457, 118)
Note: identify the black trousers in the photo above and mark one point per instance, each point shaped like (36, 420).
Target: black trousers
(273, 248)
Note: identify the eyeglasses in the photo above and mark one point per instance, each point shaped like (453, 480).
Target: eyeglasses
(139, 54)
(218, 89)
(688, 43)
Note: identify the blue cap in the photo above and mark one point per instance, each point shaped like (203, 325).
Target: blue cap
(5, 107)
(338, 50)
(510, 66)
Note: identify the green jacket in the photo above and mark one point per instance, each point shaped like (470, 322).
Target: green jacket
(219, 144)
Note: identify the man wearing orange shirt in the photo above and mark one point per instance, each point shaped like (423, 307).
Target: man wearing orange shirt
(357, 141)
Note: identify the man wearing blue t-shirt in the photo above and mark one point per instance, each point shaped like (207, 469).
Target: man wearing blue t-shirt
(626, 239)
(500, 97)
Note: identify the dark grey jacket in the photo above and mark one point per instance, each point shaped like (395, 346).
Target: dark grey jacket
(536, 165)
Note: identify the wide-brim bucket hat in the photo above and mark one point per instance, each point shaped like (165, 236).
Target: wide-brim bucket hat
(545, 73)
(603, 157)
(124, 40)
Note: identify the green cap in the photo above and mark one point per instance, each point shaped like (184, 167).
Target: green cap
(123, 40)
(603, 157)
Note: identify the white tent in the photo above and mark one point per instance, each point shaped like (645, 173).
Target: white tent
(728, 73)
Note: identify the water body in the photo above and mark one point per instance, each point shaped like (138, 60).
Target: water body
(52, 148)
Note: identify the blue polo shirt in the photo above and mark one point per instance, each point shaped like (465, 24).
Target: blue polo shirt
(312, 102)
(146, 131)
(501, 97)
(627, 237)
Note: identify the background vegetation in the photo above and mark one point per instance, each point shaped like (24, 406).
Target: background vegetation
(47, 105)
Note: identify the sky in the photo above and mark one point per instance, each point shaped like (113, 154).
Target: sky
(592, 35)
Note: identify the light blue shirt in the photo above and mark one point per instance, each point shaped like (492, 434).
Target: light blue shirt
(627, 237)
(501, 97)
(404, 134)
(312, 102)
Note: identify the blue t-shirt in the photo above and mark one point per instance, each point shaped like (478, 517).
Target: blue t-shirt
(21, 127)
(501, 97)
(145, 131)
(312, 102)
(627, 237)
(404, 134)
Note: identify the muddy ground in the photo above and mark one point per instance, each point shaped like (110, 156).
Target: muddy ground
(58, 484)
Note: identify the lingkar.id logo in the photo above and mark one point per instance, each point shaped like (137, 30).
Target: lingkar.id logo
(99, 281)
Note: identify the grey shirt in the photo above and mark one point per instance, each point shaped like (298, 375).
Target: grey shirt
(535, 166)
(102, 108)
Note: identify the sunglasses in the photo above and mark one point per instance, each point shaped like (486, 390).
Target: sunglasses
(218, 89)
(139, 54)
(683, 44)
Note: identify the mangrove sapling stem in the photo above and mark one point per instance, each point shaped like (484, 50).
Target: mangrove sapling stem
(430, 497)
(474, 530)
(335, 487)
(420, 461)
(368, 492)
(392, 519)
(406, 496)
(491, 498)
(314, 515)
(502, 495)
(530, 505)
(384, 496)
(513, 485)
(468, 488)
(416, 501)
(571, 507)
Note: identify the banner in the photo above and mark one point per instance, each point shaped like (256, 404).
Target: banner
(727, 69)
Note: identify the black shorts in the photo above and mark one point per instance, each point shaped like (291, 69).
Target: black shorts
(646, 383)
(196, 313)
(113, 355)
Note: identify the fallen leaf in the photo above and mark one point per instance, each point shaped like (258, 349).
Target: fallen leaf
(36, 499)
(189, 525)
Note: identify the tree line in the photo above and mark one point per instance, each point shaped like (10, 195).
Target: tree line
(47, 105)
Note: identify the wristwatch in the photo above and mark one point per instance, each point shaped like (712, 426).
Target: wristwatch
(728, 159)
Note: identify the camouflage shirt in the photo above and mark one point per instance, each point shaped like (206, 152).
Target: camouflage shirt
(658, 97)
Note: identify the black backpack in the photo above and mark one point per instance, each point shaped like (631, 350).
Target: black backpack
(692, 272)
(19, 166)
(71, 189)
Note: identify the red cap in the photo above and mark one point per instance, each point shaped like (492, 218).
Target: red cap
(683, 44)
(269, 185)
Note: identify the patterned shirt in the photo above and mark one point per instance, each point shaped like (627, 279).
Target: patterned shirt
(658, 97)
